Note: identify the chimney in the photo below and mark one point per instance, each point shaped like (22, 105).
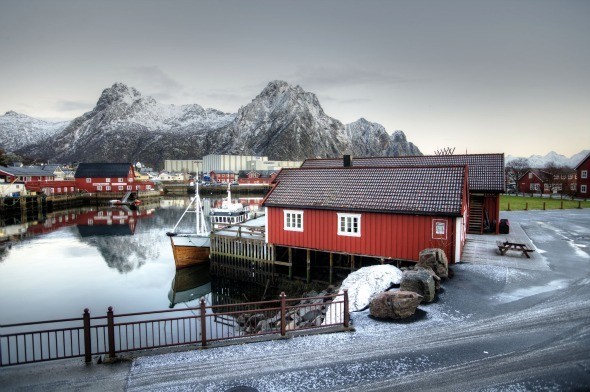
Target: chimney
(347, 161)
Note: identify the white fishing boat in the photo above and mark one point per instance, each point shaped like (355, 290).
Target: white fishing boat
(229, 213)
(191, 248)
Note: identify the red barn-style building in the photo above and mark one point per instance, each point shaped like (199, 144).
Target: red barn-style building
(378, 212)
(109, 177)
(582, 170)
(486, 180)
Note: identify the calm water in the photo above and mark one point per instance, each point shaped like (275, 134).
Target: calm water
(94, 258)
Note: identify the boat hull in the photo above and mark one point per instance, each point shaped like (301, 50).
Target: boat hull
(189, 253)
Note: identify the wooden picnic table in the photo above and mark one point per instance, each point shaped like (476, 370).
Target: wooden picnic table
(511, 244)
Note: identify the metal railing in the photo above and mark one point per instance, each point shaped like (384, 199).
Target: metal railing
(118, 333)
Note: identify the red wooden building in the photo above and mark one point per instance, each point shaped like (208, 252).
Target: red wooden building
(264, 177)
(227, 176)
(486, 180)
(378, 212)
(541, 181)
(582, 170)
(109, 177)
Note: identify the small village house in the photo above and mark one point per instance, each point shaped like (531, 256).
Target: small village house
(542, 181)
(385, 213)
(582, 170)
(486, 180)
(109, 177)
(259, 177)
(227, 176)
(48, 179)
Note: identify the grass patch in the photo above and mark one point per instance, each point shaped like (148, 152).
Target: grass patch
(521, 203)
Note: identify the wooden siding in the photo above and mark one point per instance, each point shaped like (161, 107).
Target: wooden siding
(382, 235)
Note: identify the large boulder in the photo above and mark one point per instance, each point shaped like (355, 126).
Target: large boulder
(364, 284)
(395, 304)
(420, 282)
(435, 259)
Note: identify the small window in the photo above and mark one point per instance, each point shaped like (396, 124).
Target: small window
(349, 224)
(439, 229)
(583, 189)
(120, 187)
(108, 187)
(88, 180)
(293, 220)
(119, 180)
(108, 179)
(584, 174)
(572, 187)
(530, 176)
(129, 187)
(99, 188)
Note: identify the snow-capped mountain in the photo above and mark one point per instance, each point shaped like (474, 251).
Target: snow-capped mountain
(371, 139)
(18, 130)
(539, 162)
(283, 122)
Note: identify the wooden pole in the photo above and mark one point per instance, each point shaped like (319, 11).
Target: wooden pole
(308, 266)
(331, 267)
(290, 252)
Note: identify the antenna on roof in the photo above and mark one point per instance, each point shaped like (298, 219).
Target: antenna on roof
(445, 151)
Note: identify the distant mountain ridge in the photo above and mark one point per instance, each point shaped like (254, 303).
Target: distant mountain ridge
(539, 162)
(17, 130)
(283, 122)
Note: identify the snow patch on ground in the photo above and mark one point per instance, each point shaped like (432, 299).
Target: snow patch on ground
(363, 285)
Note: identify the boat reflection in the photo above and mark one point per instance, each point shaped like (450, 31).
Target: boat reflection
(190, 284)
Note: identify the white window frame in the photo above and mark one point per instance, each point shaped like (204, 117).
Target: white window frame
(584, 174)
(120, 180)
(120, 187)
(108, 179)
(583, 189)
(88, 180)
(293, 220)
(347, 225)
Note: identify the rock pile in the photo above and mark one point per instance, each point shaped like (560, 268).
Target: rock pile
(310, 312)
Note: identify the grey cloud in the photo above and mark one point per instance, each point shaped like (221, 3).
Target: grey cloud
(153, 81)
(327, 77)
(73, 106)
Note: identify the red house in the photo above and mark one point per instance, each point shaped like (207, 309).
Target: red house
(36, 179)
(541, 181)
(263, 177)
(377, 212)
(109, 177)
(582, 171)
(222, 176)
(486, 180)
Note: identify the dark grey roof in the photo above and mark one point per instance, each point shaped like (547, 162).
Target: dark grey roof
(26, 171)
(102, 170)
(486, 171)
(406, 190)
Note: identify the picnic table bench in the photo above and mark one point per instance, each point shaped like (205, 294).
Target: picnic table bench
(511, 244)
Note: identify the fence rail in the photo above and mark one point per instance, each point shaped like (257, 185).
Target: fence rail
(118, 333)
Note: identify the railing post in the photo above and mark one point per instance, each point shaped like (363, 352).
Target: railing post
(111, 332)
(283, 314)
(346, 314)
(87, 343)
(203, 323)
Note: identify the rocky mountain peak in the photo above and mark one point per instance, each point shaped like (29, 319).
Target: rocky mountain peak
(118, 92)
(399, 136)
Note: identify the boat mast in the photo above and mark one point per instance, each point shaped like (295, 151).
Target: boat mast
(199, 215)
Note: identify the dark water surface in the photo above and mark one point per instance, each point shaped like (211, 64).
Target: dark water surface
(94, 258)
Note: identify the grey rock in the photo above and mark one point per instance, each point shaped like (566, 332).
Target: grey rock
(395, 304)
(436, 259)
(420, 282)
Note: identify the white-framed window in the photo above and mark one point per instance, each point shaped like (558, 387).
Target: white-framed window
(572, 187)
(530, 176)
(108, 187)
(293, 220)
(107, 179)
(349, 224)
(130, 179)
(88, 180)
(119, 180)
(584, 174)
(120, 187)
(129, 187)
(583, 189)
(546, 186)
(99, 187)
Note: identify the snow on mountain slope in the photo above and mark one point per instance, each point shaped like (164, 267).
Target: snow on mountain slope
(538, 161)
(18, 130)
(283, 122)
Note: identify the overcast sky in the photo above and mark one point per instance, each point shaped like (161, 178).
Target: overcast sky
(480, 76)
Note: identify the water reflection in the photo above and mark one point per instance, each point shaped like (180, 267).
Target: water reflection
(190, 284)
